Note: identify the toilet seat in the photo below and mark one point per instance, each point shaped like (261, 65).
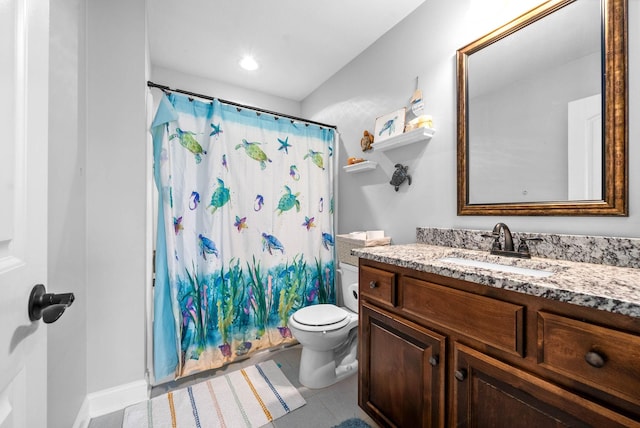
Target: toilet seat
(323, 317)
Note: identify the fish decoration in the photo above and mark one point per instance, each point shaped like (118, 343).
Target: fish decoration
(288, 201)
(224, 162)
(177, 224)
(219, 197)
(270, 243)
(207, 246)
(389, 125)
(293, 172)
(316, 158)
(216, 131)
(254, 152)
(194, 200)
(259, 202)
(308, 222)
(188, 141)
(284, 145)
(241, 223)
(327, 240)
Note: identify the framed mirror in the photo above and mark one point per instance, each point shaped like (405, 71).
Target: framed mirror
(542, 113)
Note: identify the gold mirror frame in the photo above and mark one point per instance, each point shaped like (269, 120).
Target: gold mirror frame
(615, 186)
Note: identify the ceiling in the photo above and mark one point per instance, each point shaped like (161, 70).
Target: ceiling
(298, 44)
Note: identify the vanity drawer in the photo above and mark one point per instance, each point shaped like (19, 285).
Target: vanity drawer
(378, 285)
(494, 322)
(565, 345)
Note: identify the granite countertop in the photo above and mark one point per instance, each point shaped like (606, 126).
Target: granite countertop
(608, 288)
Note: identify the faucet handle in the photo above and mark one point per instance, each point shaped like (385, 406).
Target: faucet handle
(523, 247)
(496, 240)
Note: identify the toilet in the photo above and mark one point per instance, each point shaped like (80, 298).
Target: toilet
(329, 335)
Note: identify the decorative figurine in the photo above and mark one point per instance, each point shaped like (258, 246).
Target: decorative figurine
(399, 176)
(366, 141)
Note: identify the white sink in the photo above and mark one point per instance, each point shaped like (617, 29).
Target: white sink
(497, 266)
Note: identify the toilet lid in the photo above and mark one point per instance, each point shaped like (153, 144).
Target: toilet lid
(320, 315)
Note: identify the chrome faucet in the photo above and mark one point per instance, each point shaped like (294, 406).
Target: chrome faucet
(508, 249)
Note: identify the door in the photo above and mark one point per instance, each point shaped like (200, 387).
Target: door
(24, 47)
(401, 371)
(490, 393)
(585, 149)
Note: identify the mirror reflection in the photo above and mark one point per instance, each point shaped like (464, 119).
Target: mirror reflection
(537, 128)
(524, 91)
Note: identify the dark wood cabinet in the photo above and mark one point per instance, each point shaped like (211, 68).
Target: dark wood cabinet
(402, 377)
(489, 393)
(442, 352)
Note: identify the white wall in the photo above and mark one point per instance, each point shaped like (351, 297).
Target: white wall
(67, 337)
(382, 79)
(116, 192)
(177, 80)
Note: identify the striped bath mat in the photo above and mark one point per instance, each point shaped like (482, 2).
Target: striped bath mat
(250, 397)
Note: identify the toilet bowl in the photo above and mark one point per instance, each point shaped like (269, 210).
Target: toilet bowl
(329, 335)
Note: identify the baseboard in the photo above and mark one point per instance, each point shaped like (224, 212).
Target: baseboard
(110, 400)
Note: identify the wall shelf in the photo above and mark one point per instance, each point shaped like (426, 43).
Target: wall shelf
(360, 166)
(403, 139)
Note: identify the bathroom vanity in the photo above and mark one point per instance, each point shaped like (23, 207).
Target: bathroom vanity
(540, 343)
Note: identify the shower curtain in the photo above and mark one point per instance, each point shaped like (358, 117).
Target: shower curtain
(245, 230)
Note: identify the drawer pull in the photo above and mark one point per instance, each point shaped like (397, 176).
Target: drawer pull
(372, 284)
(434, 360)
(460, 375)
(595, 359)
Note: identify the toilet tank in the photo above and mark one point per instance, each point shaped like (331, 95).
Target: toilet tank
(349, 286)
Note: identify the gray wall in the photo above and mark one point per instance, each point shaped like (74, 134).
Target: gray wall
(97, 199)
(382, 79)
(67, 249)
(116, 192)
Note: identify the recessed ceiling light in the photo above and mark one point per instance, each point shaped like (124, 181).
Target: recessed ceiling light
(248, 63)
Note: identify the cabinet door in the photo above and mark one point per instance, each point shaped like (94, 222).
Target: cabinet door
(489, 393)
(401, 371)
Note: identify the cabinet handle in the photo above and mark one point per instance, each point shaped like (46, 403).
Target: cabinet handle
(460, 375)
(372, 284)
(434, 360)
(594, 359)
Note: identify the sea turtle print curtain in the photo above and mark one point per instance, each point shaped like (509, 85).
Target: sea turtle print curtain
(245, 230)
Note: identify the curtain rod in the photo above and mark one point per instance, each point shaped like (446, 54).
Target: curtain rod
(164, 88)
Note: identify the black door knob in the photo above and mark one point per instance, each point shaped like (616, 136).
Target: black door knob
(48, 306)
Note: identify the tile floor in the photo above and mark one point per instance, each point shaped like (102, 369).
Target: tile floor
(325, 407)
